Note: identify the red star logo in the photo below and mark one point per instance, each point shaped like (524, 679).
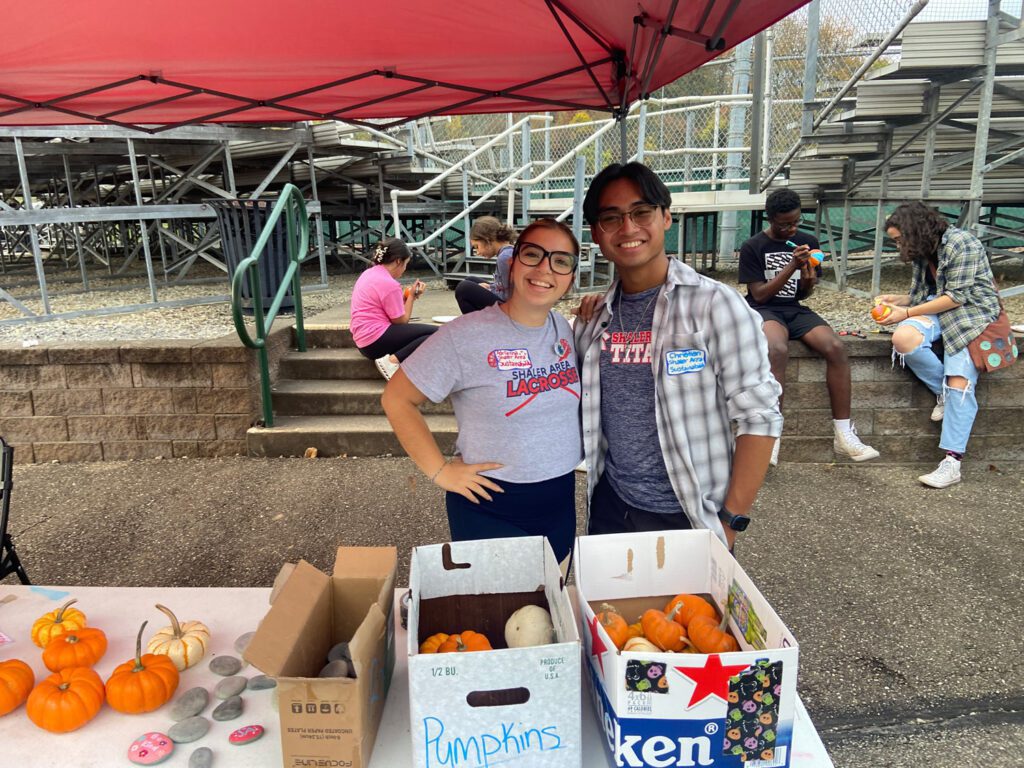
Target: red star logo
(712, 679)
(597, 646)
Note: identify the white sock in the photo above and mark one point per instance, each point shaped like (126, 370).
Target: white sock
(842, 425)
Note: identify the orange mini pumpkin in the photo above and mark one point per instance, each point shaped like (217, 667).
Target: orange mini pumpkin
(16, 681)
(432, 643)
(66, 700)
(710, 636)
(690, 606)
(662, 630)
(142, 684)
(465, 641)
(614, 625)
(55, 623)
(78, 648)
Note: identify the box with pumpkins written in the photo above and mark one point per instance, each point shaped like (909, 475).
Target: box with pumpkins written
(330, 721)
(724, 709)
(519, 704)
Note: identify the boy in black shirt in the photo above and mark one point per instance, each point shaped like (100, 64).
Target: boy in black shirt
(777, 277)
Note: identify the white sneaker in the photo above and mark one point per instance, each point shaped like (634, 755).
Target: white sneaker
(946, 474)
(940, 407)
(848, 444)
(386, 367)
(774, 460)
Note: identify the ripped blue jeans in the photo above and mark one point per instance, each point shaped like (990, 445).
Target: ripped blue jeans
(961, 405)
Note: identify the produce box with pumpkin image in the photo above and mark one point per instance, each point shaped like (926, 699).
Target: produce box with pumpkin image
(690, 665)
(494, 656)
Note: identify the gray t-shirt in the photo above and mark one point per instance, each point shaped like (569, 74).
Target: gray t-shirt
(515, 389)
(634, 463)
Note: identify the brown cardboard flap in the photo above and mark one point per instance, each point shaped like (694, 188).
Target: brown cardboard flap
(365, 562)
(368, 639)
(293, 638)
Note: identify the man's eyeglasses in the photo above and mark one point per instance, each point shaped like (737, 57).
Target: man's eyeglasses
(531, 254)
(642, 216)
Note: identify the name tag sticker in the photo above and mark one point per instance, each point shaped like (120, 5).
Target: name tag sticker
(679, 361)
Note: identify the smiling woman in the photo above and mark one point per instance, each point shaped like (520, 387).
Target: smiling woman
(510, 370)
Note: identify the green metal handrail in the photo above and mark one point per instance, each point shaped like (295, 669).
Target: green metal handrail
(293, 205)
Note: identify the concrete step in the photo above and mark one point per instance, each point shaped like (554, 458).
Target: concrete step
(327, 363)
(340, 435)
(325, 397)
(333, 336)
(904, 449)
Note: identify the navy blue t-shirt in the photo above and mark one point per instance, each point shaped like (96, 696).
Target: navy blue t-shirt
(634, 464)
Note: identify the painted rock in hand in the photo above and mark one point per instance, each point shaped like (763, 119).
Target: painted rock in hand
(151, 748)
(246, 734)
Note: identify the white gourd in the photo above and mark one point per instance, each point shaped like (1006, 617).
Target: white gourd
(530, 625)
(183, 643)
(641, 645)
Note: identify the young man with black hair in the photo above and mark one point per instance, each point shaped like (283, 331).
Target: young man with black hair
(671, 361)
(777, 277)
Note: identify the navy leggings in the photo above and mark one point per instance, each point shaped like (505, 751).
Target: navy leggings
(400, 340)
(547, 508)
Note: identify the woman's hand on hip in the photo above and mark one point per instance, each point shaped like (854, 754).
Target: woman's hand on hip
(466, 480)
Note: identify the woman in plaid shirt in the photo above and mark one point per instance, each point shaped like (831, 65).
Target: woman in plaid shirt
(952, 297)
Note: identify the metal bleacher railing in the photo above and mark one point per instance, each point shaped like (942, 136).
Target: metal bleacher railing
(292, 206)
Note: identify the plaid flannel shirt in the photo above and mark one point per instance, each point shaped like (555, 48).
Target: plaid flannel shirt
(695, 411)
(963, 274)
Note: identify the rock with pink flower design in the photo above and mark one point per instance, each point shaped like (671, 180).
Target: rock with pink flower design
(151, 748)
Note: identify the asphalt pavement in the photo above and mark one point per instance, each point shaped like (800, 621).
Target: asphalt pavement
(906, 601)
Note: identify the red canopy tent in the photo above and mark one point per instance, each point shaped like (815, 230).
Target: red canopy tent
(156, 66)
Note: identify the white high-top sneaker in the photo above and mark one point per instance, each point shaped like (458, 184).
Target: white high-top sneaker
(848, 444)
(940, 407)
(774, 460)
(945, 475)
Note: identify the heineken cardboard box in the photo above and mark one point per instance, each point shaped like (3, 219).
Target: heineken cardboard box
(660, 709)
(516, 706)
(330, 721)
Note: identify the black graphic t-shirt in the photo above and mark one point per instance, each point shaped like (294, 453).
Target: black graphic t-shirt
(763, 257)
(634, 463)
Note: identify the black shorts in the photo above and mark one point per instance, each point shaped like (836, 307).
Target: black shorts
(798, 319)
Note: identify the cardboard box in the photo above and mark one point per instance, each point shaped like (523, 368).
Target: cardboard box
(330, 721)
(681, 709)
(480, 709)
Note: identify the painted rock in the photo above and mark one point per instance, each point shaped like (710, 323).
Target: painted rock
(230, 686)
(261, 683)
(243, 642)
(151, 748)
(190, 703)
(225, 665)
(340, 668)
(189, 729)
(201, 758)
(246, 734)
(339, 652)
(228, 709)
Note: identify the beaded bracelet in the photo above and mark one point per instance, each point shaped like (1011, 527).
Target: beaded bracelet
(433, 477)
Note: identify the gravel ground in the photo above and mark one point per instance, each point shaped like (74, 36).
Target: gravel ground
(207, 321)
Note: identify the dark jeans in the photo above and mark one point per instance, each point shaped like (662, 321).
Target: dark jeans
(610, 514)
(547, 508)
(471, 296)
(400, 340)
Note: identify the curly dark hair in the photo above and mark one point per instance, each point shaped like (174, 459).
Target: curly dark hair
(921, 229)
(781, 201)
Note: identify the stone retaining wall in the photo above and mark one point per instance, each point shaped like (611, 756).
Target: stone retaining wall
(131, 400)
(108, 402)
(891, 409)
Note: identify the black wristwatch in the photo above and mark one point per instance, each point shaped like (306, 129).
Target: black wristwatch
(735, 522)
